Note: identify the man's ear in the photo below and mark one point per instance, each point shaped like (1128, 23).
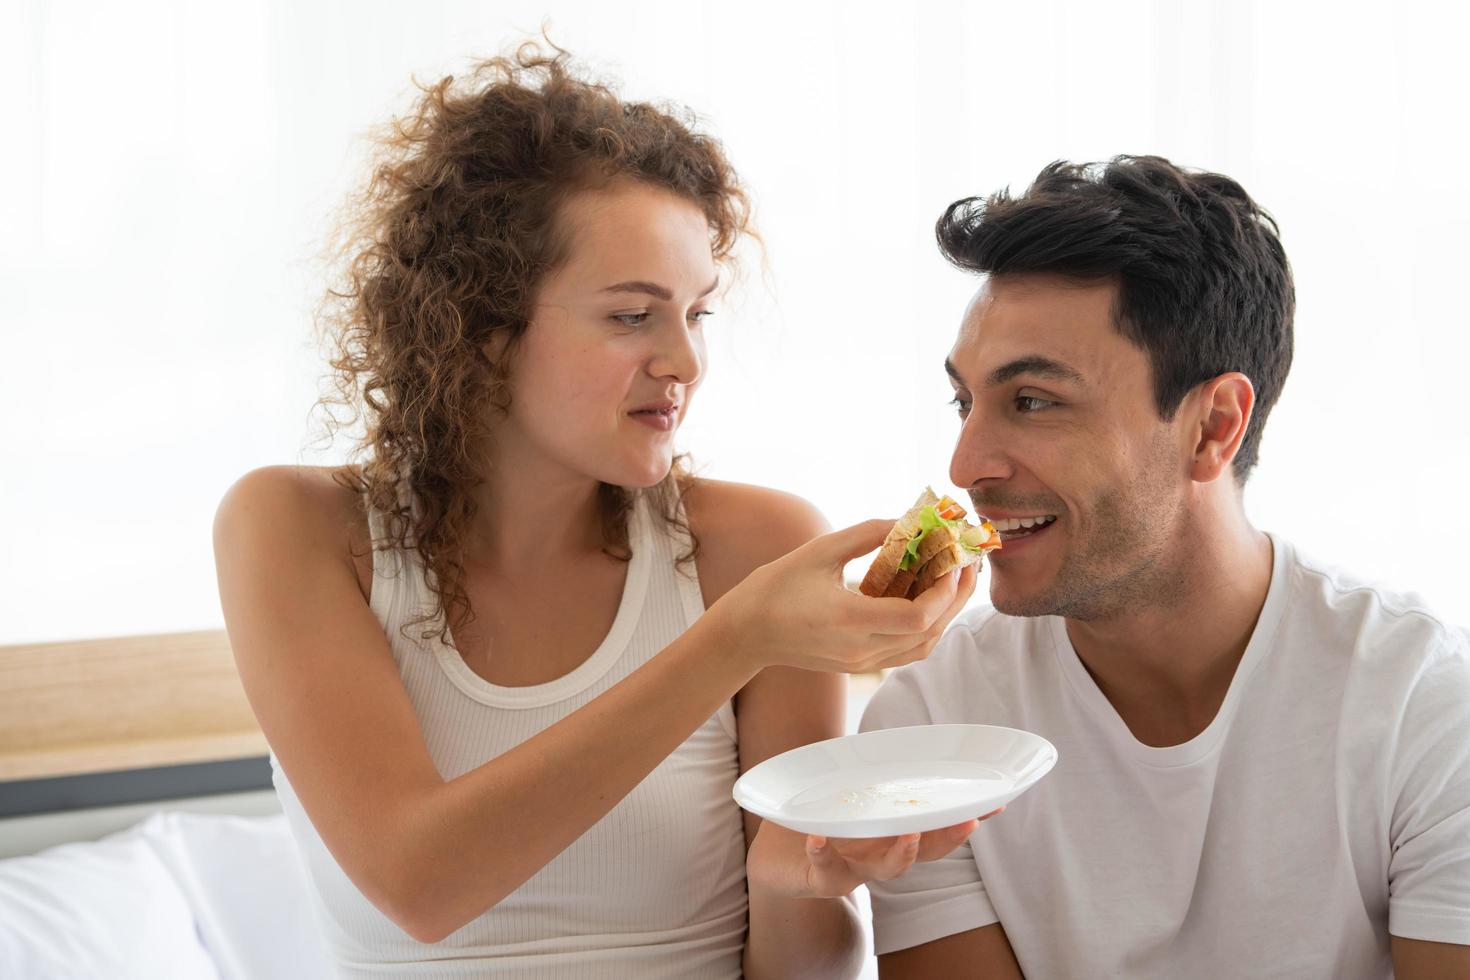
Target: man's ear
(1222, 410)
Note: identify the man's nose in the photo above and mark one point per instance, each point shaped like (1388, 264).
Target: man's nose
(979, 453)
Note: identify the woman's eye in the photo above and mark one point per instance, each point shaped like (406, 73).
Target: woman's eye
(1029, 403)
(631, 319)
(699, 315)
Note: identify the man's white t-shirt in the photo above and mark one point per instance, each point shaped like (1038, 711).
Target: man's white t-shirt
(1326, 807)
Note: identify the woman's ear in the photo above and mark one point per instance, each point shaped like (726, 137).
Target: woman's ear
(497, 347)
(496, 357)
(498, 351)
(1223, 408)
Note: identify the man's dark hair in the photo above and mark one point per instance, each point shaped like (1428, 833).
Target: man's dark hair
(1203, 283)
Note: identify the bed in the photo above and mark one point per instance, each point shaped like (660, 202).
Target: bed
(139, 835)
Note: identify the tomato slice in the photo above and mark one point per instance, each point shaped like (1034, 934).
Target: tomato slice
(949, 510)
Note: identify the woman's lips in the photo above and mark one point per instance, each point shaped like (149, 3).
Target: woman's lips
(662, 419)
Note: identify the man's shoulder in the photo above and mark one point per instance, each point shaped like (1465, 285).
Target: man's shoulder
(1365, 613)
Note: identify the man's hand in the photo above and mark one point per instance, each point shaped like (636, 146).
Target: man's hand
(800, 866)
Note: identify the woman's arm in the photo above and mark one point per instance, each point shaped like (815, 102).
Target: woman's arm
(803, 920)
(779, 709)
(431, 854)
(794, 937)
(807, 928)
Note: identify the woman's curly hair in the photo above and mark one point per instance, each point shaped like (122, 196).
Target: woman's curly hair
(443, 252)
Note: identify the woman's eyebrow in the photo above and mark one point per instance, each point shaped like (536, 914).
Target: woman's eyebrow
(654, 289)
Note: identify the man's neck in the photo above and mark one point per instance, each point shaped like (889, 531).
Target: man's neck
(1166, 667)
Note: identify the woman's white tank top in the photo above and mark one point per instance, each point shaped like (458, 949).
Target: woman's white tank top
(654, 889)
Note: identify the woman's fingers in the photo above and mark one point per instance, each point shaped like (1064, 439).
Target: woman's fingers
(838, 865)
(878, 859)
(884, 651)
(937, 843)
(829, 874)
(840, 547)
(901, 659)
(884, 617)
(903, 617)
(821, 853)
(941, 603)
(939, 597)
(965, 588)
(784, 609)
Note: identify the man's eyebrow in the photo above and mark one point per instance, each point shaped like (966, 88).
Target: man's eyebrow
(654, 289)
(1041, 367)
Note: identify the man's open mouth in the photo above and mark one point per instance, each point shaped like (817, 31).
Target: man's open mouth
(1016, 528)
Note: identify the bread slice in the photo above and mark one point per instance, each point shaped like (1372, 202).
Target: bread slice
(903, 582)
(942, 564)
(885, 566)
(935, 543)
(939, 553)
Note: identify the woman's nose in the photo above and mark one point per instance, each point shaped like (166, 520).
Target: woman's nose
(678, 357)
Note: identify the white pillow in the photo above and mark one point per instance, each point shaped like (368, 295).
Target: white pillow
(107, 908)
(243, 878)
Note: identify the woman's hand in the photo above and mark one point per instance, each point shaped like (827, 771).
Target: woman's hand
(797, 612)
(797, 865)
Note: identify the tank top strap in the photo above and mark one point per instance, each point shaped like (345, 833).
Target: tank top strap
(674, 540)
(679, 581)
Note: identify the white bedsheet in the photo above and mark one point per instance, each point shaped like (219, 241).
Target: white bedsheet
(179, 895)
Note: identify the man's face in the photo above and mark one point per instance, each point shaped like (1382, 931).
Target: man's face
(1059, 429)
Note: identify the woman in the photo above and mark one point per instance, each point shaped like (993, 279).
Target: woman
(511, 664)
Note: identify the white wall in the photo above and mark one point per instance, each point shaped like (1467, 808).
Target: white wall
(170, 169)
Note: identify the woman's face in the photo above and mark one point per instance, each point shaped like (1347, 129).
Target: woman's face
(615, 348)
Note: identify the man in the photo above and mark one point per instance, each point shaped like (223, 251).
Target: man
(1264, 765)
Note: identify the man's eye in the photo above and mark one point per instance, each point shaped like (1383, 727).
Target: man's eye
(631, 319)
(960, 405)
(1029, 403)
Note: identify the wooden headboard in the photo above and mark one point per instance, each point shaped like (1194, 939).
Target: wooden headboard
(92, 706)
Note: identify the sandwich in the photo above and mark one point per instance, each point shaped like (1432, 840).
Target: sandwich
(927, 543)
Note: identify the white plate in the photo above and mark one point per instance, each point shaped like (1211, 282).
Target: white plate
(897, 780)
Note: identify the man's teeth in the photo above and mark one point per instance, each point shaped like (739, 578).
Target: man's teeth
(1017, 523)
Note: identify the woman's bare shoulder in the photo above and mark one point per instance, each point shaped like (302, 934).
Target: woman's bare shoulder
(305, 509)
(317, 496)
(744, 527)
(741, 527)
